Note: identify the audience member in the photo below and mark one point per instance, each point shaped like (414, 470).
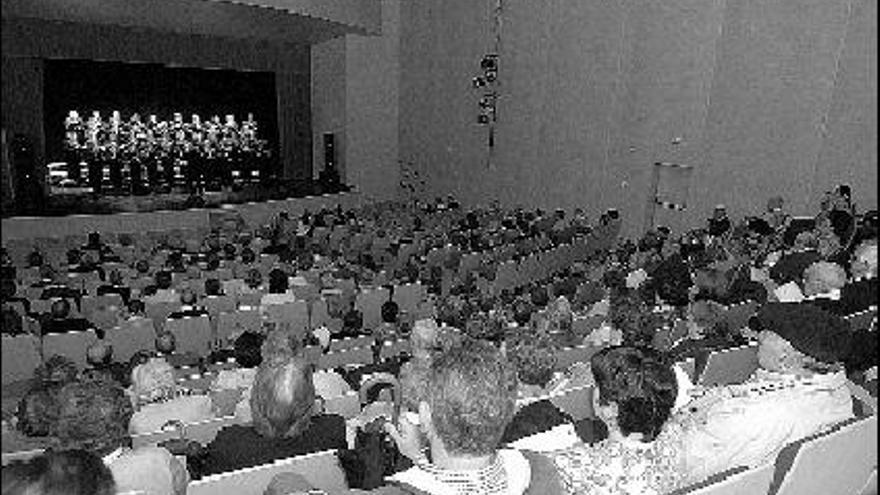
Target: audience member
(463, 415)
(159, 400)
(284, 421)
(69, 472)
(799, 390)
(234, 385)
(95, 416)
(634, 396)
(37, 412)
(822, 286)
(164, 292)
(860, 293)
(278, 290)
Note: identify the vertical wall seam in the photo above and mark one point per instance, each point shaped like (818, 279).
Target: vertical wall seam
(823, 118)
(702, 164)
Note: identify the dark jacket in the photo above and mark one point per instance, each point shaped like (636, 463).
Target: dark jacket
(239, 446)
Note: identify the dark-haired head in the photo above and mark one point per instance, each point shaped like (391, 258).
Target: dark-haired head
(278, 282)
(283, 397)
(163, 280)
(212, 287)
(248, 349)
(636, 389)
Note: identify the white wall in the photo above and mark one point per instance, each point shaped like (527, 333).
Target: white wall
(355, 95)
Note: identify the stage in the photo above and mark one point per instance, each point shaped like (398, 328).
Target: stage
(253, 213)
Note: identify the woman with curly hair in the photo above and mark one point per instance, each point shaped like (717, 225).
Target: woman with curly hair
(159, 400)
(94, 416)
(71, 472)
(635, 392)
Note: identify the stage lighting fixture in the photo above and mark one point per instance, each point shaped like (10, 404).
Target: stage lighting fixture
(478, 81)
(489, 63)
(483, 119)
(491, 76)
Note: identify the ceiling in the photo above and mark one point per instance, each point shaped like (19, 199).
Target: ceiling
(202, 17)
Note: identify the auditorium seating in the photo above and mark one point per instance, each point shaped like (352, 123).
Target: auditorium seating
(727, 366)
(737, 481)
(837, 462)
(21, 356)
(131, 336)
(72, 345)
(192, 334)
(320, 469)
(863, 320)
(350, 357)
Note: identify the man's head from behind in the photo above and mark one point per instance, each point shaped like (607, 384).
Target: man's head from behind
(864, 263)
(470, 398)
(823, 277)
(60, 309)
(99, 354)
(283, 397)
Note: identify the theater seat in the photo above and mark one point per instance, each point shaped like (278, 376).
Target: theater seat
(320, 469)
(737, 481)
(837, 462)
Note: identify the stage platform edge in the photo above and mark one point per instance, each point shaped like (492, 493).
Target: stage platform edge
(255, 214)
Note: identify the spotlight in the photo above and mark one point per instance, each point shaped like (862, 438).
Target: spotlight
(478, 81)
(491, 76)
(489, 63)
(483, 119)
(487, 101)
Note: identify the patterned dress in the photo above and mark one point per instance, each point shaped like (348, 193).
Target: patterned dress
(623, 467)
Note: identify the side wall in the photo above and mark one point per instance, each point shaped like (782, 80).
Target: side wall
(761, 98)
(355, 95)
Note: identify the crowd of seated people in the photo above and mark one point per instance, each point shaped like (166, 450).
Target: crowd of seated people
(495, 345)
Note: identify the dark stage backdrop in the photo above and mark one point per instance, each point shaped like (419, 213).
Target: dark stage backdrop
(87, 85)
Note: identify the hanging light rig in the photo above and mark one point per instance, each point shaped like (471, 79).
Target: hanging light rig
(488, 81)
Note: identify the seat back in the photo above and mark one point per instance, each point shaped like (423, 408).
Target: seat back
(72, 345)
(219, 304)
(570, 355)
(295, 314)
(21, 356)
(131, 336)
(351, 357)
(837, 462)
(728, 366)
(394, 348)
(737, 316)
(738, 481)
(862, 320)
(192, 334)
(205, 432)
(320, 469)
(408, 296)
(231, 325)
(347, 405)
(576, 402)
(369, 303)
(351, 343)
(158, 312)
